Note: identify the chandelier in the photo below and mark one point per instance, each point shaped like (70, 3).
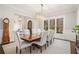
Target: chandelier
(41, 14)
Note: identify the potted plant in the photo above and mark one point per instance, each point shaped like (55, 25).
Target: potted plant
(76, 30)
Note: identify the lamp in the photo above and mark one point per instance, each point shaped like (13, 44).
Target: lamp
(41, 16)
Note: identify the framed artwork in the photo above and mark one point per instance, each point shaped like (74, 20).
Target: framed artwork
(46, 25)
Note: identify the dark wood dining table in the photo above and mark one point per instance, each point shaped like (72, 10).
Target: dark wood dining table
(31, 38)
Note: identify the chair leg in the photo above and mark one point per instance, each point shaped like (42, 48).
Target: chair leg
(50, 42)
(30, 50)
(47, 43)
(75, 51)
(25, 48)
(45, 46)
(41, 49)
(16, 50)
(53, 39)
(20, 51)
(33, 47)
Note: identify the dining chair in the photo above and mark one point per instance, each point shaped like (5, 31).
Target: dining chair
(21, 44)
(26, 32)
(42, 42)
(50, 37)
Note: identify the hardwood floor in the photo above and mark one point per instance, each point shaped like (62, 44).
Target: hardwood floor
(72, 48)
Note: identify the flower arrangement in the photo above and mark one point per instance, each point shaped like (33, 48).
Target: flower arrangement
(76, 28)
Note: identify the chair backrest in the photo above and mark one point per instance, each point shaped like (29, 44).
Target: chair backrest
(11, 33)
(34, 31)
(27, 32)
(39, 31)
(44, 36)
(51, 34)
(18, 39)
(52, 31)
(21, 32)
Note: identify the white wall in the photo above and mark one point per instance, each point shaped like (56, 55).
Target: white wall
(70, 21)
(78, 15)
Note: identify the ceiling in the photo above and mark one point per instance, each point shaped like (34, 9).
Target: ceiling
(48, 9)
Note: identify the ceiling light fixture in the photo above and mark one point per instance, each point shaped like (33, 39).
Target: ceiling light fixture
(41, 14)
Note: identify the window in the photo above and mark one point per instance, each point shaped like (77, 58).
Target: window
(59, 25)
(52, 24)
(46, 25)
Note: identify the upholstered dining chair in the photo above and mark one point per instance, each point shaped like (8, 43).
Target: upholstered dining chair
(20, 44)
(50, 37)
(26, 32)
(42, 42)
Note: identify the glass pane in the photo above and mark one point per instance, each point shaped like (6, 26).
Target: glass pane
(52, 24)
(46, 25)
(60, 25)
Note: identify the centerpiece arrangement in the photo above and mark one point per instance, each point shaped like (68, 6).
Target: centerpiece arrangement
(76, 30)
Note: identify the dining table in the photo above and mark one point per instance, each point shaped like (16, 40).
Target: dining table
(31, 38)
